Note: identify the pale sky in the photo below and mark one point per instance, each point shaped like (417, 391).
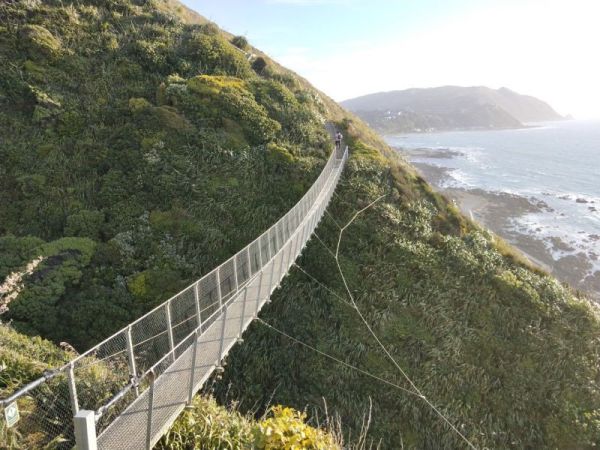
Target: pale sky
(549, 49)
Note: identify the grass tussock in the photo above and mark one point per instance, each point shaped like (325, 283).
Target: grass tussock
(206, 425)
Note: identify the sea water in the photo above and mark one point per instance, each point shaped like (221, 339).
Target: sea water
(557, 163)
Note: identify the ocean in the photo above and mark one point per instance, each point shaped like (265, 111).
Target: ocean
(555, 166)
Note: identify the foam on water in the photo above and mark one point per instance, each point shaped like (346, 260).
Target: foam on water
(556, 165)
(560, 237)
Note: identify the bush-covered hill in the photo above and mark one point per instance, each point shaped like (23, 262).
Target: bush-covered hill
(152, 145)
(139, 151)
(507, 353)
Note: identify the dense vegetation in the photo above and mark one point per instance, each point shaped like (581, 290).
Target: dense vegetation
(506, 352)
(139, 151)
(210, 426)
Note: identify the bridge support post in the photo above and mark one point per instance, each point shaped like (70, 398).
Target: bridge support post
(260, 280)
(193, 369)
(198, 310)
(281, 266)
(298, 218)
(270, 289)
(131, 360)
(152, 378)
(304, 228)
(295, 252)
(278, 242)
(288, 251)
(243, 313)
(235, 274)
(73, 389)
(219, 288)
(85, 430)
(222, 343)
(273, 235)
(288, 227)
(170, 328)
(249, 264)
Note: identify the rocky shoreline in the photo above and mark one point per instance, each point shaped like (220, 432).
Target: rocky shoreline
(497, 211)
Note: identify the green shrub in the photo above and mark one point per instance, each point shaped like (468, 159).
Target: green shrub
(35, 70)
(217, 56)
(35, 310)
(210, 29)
(240, 42)
(299, 120)
(229, 97)
(85, 223)
(278, 156)
(169, 117)
(210, 426)
(151, 53)
(259, 65)
(286, 429)
(137, 105)
(24, 358)
(40, 42)
(16, 252)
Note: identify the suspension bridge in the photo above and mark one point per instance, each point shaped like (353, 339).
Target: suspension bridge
(127, 391)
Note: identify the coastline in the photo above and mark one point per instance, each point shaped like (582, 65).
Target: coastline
(398, 133)
(497, 212)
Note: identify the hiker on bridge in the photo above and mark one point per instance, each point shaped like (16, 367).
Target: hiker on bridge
(338, 140)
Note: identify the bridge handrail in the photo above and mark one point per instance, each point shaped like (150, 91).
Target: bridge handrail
(162, 305)
(123, 360)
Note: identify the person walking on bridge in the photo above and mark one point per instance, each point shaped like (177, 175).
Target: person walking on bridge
(338, 140)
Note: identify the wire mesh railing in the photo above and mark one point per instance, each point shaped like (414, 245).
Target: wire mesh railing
(140, 378)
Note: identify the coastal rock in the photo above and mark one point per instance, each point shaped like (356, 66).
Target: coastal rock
(561, 245)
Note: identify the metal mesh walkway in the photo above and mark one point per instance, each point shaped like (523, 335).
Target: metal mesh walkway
(145, 374)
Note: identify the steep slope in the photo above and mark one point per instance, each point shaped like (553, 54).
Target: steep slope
(449, 107)
(504, 350)
(152, 145)
(139, 152)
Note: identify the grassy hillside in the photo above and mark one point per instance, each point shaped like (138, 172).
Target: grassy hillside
(207, 425)
(505, 351)
(140, 151)
(153, 146)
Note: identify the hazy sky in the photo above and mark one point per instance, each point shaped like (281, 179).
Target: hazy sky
(549, 49)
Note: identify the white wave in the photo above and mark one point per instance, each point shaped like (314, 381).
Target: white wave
(556, 230)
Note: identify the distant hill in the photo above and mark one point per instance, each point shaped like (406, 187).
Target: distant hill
(449, 107)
